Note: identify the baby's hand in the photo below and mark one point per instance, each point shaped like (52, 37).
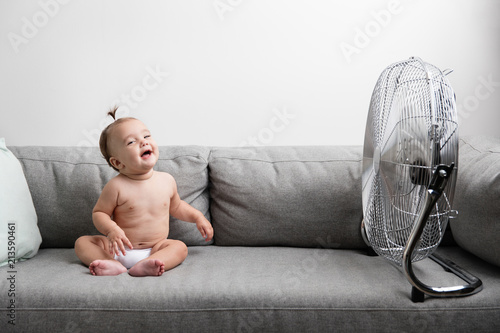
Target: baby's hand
(205, 228)
(117, 239)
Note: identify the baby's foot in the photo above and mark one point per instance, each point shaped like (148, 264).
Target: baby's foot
(148, 267)
(106, 267)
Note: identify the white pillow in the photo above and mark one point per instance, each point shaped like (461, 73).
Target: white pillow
(19, 233)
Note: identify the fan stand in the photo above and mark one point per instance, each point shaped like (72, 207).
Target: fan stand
(434, 191)
(474, 283)
(420, 289)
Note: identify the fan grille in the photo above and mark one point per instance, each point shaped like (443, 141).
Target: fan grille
(411, 128)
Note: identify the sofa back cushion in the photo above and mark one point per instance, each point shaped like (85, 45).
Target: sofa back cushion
(289, 196)
(477, 196)
(65, 183)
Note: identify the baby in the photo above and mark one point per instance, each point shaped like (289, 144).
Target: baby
(134, 208)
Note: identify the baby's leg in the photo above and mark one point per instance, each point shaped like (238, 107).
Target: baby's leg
(93, 251)
(165, 255)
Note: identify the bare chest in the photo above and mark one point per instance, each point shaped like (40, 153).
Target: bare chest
(144, 199)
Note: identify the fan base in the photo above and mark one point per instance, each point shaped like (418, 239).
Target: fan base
(417, 296)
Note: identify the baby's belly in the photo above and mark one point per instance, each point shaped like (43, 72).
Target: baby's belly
(146, 236)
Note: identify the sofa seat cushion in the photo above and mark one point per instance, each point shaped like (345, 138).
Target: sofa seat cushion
(250, 289)
(65, 183)
(289, 196)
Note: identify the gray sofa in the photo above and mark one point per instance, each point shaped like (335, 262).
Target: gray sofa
(287, 254)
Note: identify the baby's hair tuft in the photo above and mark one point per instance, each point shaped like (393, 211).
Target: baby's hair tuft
(112, 112)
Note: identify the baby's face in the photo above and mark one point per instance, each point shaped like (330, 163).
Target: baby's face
(132, 148)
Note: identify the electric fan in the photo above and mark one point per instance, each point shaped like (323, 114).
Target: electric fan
(410, 167)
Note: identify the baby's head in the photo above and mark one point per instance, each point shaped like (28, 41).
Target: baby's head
(127, 142)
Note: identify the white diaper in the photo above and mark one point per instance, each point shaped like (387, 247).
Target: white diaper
(132, 257)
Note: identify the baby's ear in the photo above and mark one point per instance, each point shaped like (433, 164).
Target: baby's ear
(115, 162)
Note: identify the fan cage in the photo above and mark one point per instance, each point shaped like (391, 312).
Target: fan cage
(412, 126)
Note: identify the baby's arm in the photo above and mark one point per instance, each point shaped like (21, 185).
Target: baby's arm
(101, 216)
(183, 211)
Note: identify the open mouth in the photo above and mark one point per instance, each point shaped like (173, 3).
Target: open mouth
(146, 154)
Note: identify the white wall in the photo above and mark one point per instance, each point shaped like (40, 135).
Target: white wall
(228, 72)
